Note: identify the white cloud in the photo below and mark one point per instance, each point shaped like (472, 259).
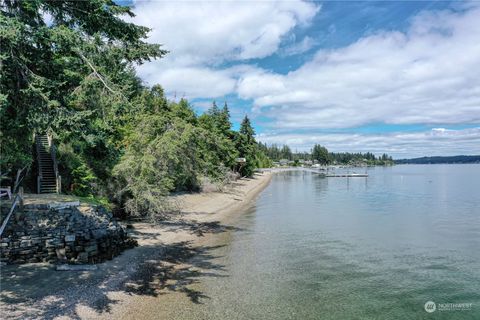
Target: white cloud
(437, 141)
(202, 35)
(426, 75)
(303, 46)
(190, 81)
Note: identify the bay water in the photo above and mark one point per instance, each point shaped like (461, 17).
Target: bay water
(379, 247)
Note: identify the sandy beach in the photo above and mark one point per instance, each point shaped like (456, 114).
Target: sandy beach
(166, 265)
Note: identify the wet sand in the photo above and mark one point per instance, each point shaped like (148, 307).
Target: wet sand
(142, 282)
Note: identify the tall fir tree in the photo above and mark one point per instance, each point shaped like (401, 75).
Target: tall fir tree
(247, 146)
(224, 123)
(247, 130)
(64, 73)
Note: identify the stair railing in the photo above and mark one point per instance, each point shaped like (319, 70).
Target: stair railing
(21, 174)
(39, 164)
(18, 199)
(53, 153)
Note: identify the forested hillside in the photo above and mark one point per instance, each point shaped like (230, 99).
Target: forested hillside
(433, 160)
(67, 68)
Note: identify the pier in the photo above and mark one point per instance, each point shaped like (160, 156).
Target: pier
(322, 172)
(346, 175)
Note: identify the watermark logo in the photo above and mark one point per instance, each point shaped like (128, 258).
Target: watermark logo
(430, 306)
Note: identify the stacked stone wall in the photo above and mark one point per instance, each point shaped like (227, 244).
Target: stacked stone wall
(62, 233)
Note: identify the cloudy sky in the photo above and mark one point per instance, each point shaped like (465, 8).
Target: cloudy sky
(401, 77)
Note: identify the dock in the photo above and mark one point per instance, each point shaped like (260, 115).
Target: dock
(346, 175)
(321, 172)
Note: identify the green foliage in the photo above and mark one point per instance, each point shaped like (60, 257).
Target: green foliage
(246, 129)
(74, 77)
(321, 154)
(247, 147)
(217, 120)
(169, 152)
(276, 153)
(157, 160)
(262, 161)
(102, 201)
(217, 144)
(82, 180)
(435, 160)
(77, 177)
(15, 154)
(361, 159)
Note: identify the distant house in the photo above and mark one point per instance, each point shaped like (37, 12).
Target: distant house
(283, 162)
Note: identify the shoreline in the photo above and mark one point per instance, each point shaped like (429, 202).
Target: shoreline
(158, 266)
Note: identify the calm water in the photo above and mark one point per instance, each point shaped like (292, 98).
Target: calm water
(358, 248)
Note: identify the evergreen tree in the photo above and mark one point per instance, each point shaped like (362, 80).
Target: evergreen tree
(214, 111)
(247, 147)
(247, 130)
(320, 154)
(66, 74)
(224, 123)
(286, 153)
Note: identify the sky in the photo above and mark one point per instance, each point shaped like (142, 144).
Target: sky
(401, 77)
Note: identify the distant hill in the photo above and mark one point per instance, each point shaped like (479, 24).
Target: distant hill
(433, 160)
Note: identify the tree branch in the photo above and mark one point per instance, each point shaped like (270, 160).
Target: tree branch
(99, 76)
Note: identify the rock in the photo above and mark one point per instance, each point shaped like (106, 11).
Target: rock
(82, 257)
(76, 267)
(91, 248)
(99, 233)
(61, 253)
(49, 232)
(63, 205)
(25, 243)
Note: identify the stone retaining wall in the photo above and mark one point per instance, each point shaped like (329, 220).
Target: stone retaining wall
(62, 232)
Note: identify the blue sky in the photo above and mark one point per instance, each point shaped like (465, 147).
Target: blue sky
(384, 76)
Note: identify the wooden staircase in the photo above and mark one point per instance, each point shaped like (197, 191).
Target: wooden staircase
(48, 180)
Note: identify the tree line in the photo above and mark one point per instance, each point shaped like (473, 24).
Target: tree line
(72, 75)
(440, 159)
(323, 156)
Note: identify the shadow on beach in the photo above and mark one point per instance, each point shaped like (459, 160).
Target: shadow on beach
(174, 270)
(38, 291)
(199, 228)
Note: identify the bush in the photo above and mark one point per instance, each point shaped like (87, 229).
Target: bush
(77, 177)
(161, 157)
